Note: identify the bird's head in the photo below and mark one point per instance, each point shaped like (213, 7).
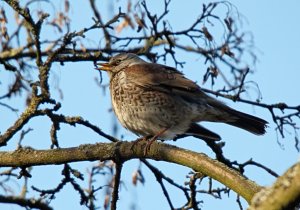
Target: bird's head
(119, 62)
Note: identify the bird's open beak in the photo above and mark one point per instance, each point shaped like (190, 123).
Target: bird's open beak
(104, 66)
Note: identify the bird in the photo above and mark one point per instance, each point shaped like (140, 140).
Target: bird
(158, 101)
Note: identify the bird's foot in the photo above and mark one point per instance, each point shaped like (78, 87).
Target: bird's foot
(150, 141)
(144, 138)
(153, 139)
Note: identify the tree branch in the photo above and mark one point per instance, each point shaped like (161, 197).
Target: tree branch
(199, 162)
(31, 203)
(117, 181)
(284, 194)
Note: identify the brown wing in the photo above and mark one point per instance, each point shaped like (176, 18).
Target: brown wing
(163, 78)
(167, 79)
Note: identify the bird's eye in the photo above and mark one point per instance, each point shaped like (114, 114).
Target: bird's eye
(118, 62)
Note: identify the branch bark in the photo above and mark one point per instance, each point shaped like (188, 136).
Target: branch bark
(284, 194)
(124, 151)
(28, 203)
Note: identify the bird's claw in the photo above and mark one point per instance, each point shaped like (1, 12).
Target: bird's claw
(144, 138)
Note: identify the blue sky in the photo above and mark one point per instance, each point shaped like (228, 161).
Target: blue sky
(277, 41)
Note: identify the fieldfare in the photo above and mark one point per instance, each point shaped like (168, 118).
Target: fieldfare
(156, 100)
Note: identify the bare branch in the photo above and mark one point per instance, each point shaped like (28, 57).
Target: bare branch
(28, 203)
(283, 194)
(117, 181)
(158, 151)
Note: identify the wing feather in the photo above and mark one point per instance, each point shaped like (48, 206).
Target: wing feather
(162, 78)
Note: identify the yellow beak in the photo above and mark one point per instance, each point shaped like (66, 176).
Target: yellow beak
(104, 66)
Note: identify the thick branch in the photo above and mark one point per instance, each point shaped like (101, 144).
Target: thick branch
(123, 151)
(31, 203)
(284, 194)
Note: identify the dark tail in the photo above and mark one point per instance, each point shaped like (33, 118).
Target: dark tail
(247, 122)
(238, 119)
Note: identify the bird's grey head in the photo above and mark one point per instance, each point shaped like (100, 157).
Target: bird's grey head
(119, 62)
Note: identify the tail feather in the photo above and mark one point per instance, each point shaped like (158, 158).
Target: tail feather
(248, 122)
(238, 119)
